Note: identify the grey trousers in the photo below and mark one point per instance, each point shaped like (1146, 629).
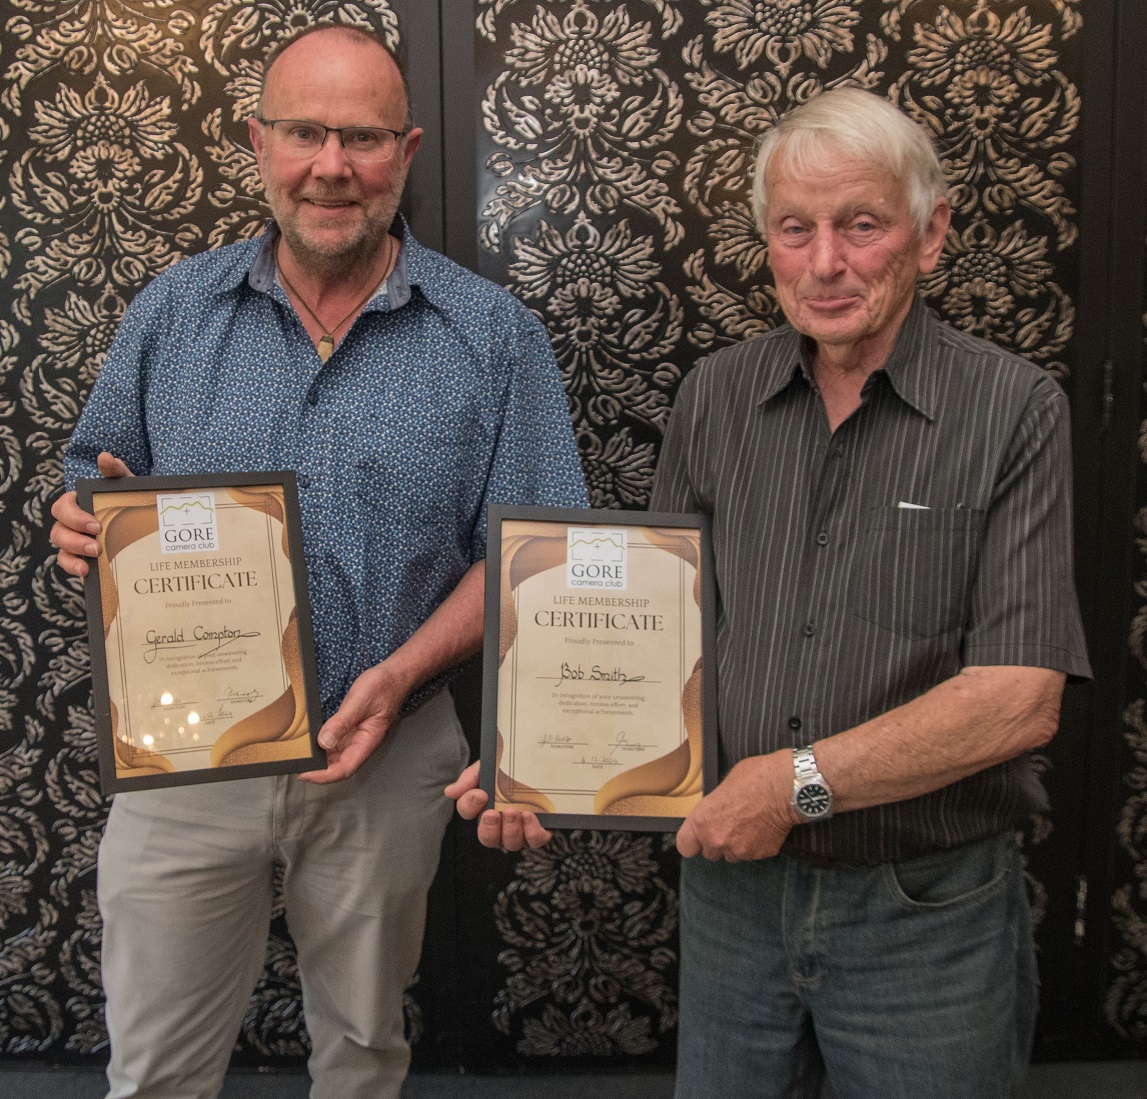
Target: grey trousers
(185, 893)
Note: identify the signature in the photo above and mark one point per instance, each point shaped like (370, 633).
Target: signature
(217, 639)
(169, 701)
(155, 642)
(597, 674)
(620, 744)
(242, 697)
(560, 740)
(221, 638)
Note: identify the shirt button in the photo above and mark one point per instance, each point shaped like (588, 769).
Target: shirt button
(822, 538)
(809, 629)
(304, 480)
(794, 723)
(313, 398)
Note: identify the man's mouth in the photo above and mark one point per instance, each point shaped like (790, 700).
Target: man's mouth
(832, 301)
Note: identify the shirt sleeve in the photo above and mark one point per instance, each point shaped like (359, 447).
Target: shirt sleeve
(535, 459)
(113, 417)
(673, 485)
(1023, 608)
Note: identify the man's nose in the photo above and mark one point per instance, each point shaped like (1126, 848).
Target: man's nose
(827, 256)
(331, 161)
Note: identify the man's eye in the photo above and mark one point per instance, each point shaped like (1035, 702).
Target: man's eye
(304, 135)
(362, 139)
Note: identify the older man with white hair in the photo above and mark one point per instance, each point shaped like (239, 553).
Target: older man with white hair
(891, 510)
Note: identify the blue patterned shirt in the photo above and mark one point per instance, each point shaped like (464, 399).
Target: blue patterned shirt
(443, 398)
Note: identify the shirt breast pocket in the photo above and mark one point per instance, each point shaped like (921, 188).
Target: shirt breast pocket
(915, 569)
(411, 482)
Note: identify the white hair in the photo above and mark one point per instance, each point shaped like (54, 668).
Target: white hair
(860, 126)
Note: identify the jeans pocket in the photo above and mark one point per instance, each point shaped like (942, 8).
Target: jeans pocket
(948, 879)
(917, 569)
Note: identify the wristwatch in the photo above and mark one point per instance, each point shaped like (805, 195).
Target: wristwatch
(812, 798)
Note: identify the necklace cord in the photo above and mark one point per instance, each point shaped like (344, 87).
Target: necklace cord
(327, 341)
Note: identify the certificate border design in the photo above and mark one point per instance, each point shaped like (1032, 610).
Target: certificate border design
(499, 631)
(95, 596)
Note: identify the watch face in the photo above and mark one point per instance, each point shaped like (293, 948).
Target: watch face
(813, 800)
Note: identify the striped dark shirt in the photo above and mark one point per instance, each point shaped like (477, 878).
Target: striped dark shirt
(858, 569)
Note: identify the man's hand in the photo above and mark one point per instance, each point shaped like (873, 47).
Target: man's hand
(72, 531)
(509, 830)
(372, 705)
(374, 702)
(748, 816)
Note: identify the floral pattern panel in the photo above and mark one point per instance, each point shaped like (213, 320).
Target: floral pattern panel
(122, 149)
(1125, 1004)
(614, 155)
(614, 141)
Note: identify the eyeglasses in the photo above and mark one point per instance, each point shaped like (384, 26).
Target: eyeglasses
(372, 144)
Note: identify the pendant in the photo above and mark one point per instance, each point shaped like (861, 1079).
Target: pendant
(326, 347)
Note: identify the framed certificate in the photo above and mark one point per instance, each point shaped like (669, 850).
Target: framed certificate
(202, 658)
(599, 701)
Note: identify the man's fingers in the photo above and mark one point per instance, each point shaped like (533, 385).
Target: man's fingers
(465, 782)
(471, 803)
(349, 760)
(490, 829)
(72, 532)
(688, 844)
(73, 542)
(513, 836)
(334, 729)
(509, 830)
(71, 535)
(111, 466)
(68, 514)
(536, 835)
(72, 564)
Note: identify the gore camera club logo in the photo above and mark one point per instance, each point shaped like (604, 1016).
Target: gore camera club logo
(187, 522)
(596, 558)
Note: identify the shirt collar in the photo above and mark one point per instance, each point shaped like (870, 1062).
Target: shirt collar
(911, 374)
(394, 293)
(912, 379)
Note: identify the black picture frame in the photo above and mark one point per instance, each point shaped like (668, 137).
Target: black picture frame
(305, 683)
(566, 518)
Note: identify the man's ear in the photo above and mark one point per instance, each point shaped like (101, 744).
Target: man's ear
(255, 132)
(932, 239)
(412, 141)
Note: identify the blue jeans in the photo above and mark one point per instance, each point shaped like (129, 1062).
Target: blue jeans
(912, 979)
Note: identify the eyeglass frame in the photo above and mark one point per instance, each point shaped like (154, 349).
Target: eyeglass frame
(340, 130)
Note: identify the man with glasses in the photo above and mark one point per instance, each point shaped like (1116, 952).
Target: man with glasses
(407, 394)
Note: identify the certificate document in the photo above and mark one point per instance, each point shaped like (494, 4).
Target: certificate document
(202, 659)
(598, 699)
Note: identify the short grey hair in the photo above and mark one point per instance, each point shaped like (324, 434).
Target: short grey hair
(861, 126)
